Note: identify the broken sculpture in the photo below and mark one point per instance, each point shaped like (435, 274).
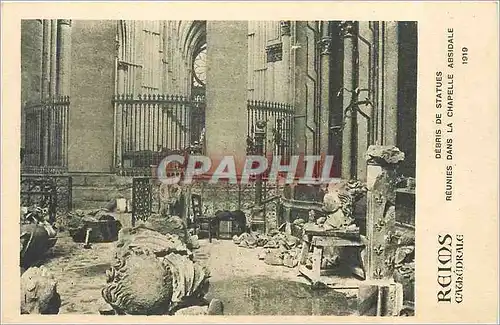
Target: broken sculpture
(154, 274)
(39, 292)
(96, 226)
(37, 235)
(384, 155)
(339, 203)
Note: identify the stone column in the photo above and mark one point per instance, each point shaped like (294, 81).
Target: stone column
(260, 136)
(285, 39)
(390, 82)
(46, 58)
(298, 93)
(348, 29)
(64, 75)
(380, 211)
(64, 57)
(226, 93)
(122, 70)
(46, 90)
(91, 119)
(325, 51)
(53, 57)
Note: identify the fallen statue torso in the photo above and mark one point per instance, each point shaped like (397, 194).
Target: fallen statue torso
(155, 274)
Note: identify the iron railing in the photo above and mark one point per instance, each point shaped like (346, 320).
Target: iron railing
(148, 195)
(53, 192)
(150, 127)
(279, 119)
(46, 135)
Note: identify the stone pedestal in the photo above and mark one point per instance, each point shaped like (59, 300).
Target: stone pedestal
(380, 299)
(380, 214)
(226, 92)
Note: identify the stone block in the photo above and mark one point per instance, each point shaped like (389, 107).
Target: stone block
(380, 299)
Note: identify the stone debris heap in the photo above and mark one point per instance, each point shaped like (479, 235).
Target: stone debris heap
(278, 248)
(170, 224)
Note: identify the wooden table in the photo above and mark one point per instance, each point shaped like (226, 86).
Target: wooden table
(317, 239)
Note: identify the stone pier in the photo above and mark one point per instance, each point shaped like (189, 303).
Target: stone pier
(226, 93)
(91, 118)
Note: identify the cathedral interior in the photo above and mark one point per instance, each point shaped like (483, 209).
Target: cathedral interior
(103, 102)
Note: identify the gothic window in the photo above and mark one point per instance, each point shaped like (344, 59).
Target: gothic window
(199, 79)
(199, 68)
(152, 54)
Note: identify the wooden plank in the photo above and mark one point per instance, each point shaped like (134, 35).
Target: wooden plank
(297, 204)
(336, 242)
(315, 230)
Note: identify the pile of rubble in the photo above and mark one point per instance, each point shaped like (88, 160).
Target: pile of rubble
(278, 248)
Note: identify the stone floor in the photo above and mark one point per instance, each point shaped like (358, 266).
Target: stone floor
(244, 283)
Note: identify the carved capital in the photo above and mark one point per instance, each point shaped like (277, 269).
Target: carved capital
(122, 66)
(347, 28)
(325, 45)
(65, 22)
(285, 27)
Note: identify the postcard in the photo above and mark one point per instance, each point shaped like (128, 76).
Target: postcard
(250, 162)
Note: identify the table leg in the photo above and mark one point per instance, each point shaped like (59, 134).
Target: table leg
(317, 256)
(217, 228)
(361, 258)
(210, 231)
(305, 251)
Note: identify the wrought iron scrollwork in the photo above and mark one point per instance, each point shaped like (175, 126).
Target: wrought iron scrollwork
(142, 198)
(51, 192)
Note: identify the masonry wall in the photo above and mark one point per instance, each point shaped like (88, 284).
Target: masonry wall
(31, 64)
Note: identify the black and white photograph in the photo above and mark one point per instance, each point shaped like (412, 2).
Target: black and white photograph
(218, 167)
